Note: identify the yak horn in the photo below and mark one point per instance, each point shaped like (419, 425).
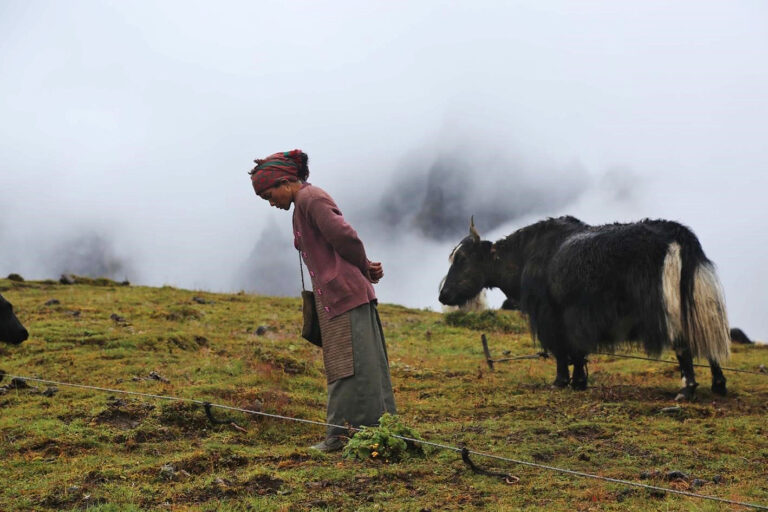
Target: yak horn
(472, 230)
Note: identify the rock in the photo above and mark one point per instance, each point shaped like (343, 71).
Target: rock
(718, 479)
(261, 330)
(738, 336)
(256, 405)
(167, 472)
(201, 300)
(116, 402)
(17, 383)
(156, 376)
(697, 482)
(53, 302)
(50, 391)
(676, 475)
(117, 318)
(67, 279)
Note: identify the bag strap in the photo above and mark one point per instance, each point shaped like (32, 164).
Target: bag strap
(301, 272)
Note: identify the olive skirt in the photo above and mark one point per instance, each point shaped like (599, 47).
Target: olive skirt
(357, 368)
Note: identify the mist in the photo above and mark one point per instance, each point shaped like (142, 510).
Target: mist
(128, 129)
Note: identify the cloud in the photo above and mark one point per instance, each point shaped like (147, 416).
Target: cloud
(137, 121)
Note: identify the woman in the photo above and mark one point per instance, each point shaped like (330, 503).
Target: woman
(354, 352)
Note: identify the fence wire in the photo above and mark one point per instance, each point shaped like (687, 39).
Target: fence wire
(409, 439)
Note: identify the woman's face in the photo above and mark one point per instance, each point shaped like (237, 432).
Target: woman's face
(279, 196)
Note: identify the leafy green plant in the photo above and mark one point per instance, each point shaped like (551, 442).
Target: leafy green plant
(380, 443)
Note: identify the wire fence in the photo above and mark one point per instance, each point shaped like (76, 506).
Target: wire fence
(442, 446)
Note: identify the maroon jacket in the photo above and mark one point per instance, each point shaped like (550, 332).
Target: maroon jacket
(332, 252)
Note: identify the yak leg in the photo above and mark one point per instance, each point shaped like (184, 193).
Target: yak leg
(686, 371)
(563, 375)
(579, 380)
(718, 379)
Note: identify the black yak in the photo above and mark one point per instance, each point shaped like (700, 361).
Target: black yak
(590, 288)
(11, 330)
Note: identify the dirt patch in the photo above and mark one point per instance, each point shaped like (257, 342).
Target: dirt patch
(260, 485)
(187, 416)
(122, 414)
(585, 432)
(210, 462)
(52, 448)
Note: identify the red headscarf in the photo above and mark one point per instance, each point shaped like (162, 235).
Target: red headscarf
(285, 166)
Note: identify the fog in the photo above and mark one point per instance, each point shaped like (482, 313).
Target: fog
(128, 129)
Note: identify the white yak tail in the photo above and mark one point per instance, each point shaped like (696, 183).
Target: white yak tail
(694, 302)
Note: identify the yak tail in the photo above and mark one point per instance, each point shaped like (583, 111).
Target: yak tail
(694, 302)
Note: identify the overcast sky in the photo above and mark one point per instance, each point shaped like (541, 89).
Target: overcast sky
(127, 130)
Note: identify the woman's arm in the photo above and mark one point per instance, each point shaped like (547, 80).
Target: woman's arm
(343, 238)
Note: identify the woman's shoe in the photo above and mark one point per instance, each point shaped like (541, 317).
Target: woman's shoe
(329, 444)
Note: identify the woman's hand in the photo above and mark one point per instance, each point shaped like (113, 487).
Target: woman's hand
(375, 272)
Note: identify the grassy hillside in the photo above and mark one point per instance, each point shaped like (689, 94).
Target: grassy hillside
(85, 449)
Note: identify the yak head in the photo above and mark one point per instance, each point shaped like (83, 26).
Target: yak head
(470, 267)
(11, 330)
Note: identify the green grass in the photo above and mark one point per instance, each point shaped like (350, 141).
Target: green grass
(88, 450)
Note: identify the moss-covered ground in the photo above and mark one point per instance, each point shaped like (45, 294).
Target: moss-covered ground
(77, 449)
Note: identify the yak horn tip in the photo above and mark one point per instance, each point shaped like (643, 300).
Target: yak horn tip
(473, 229)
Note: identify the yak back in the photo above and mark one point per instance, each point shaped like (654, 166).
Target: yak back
(529, 250)
(593, 287)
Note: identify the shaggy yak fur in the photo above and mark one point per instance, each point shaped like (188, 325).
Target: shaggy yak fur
(590, 288)
(11, 330)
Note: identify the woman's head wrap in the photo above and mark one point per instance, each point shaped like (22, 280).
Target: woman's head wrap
(277, 168)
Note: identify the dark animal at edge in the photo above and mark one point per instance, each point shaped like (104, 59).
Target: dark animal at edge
(590, 288)
(11, 330)
(739, 336)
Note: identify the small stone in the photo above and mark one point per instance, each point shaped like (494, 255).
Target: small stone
(17, 383)
(261, 330)
(116, 402)
(53, 302)
(117, 318)
(156, 376)
(697, 482)
(676, 475)
(167, 472)
(718, 479)
(50, 391)
(67, 279)
(256, 405)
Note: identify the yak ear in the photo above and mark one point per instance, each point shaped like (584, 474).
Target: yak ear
(472, 230)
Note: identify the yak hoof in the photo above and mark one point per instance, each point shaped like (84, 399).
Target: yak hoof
(560, 382)
(579, 385)
(686, 394)
(719, 388)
